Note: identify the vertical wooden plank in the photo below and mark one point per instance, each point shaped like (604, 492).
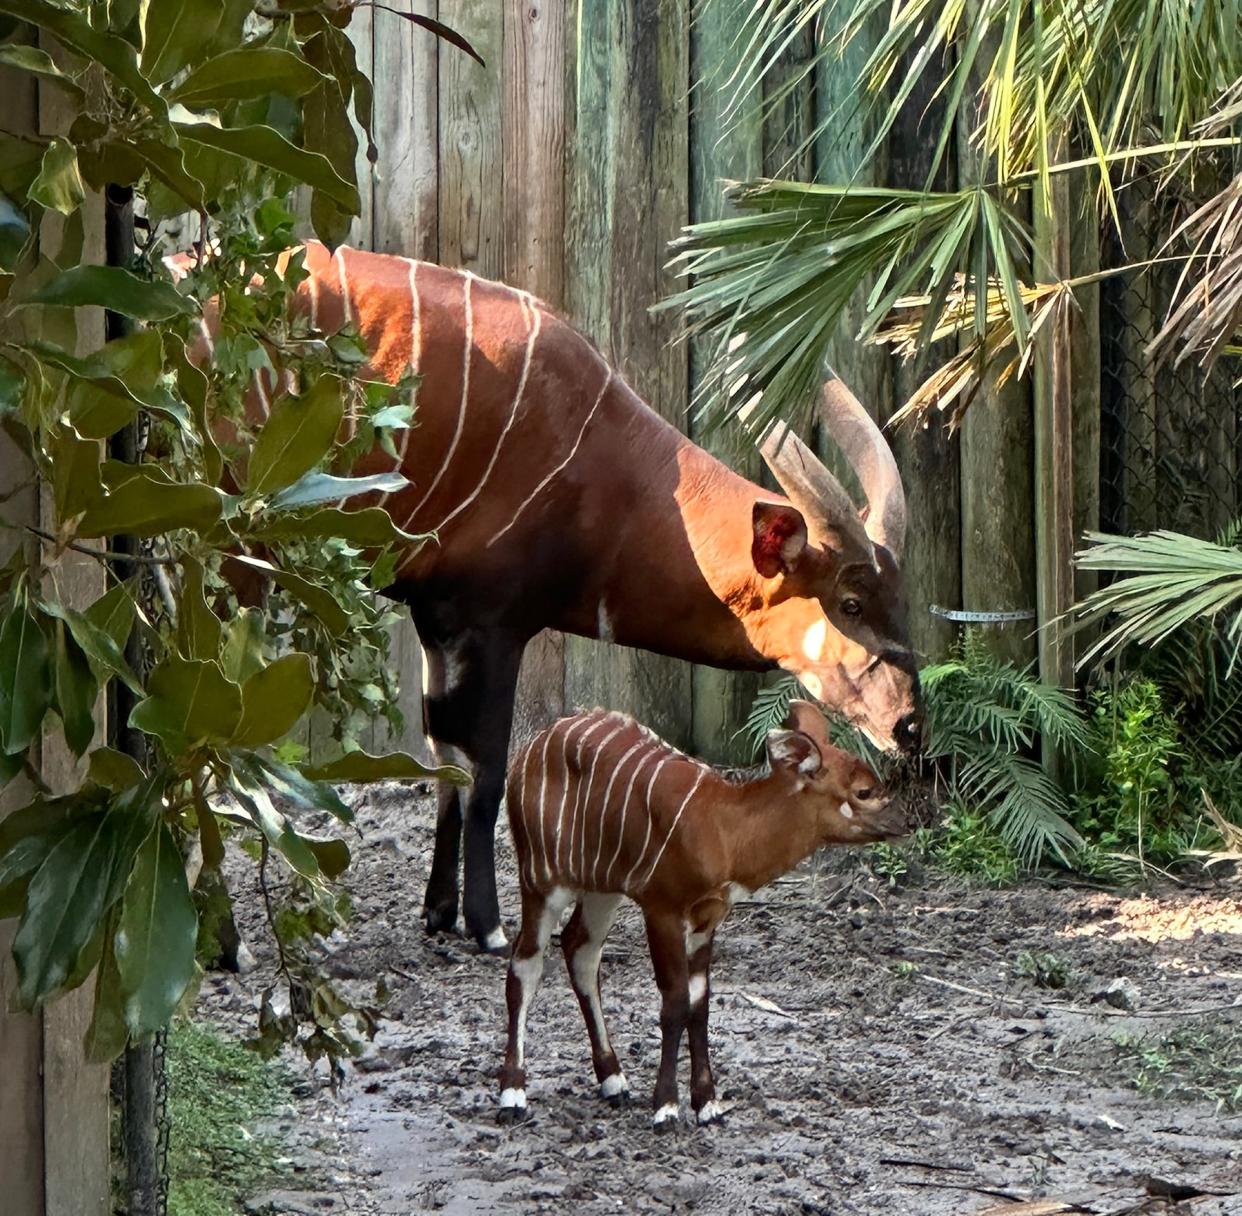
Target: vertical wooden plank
(360, 32)
(532, 203)
(929, 457)
(1054, 455)
(1085, 360)
(407, 184)
(998, 483)
(471, 167)
(628, 195)
(721, 699)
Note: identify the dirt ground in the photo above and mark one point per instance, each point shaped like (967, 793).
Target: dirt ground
(874, 1049)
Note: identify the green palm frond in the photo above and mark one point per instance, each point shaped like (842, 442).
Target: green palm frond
(1028, 808)
(1167, 581)
(769, 710)
(782, 270)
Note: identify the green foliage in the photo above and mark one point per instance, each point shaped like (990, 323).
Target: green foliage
(967, 844)
(218, 1094)
(220, 109)
(1043, 968)
(1201, 1062)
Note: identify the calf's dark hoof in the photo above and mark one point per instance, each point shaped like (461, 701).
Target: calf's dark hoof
(440, 918)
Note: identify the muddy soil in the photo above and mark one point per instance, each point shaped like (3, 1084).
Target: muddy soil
(874, 1049)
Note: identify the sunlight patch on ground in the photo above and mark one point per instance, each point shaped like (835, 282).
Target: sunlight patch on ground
(1157, 919)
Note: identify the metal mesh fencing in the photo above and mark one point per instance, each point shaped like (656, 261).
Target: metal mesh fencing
(1170, 437)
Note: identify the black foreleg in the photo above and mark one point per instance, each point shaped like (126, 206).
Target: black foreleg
(468, 715)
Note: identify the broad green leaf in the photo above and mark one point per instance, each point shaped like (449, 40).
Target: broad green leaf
(114, 612)
(20, 161)
(117, 289)
(98, 645)
(39, 63)
(193, 386)
(179, 33)
(189, 701)
(242, 653)
(71, 27)
(296, 436)
(76, 691)
(59, 184)
(155, 934)
(370, 527)
(291, 783)
(361, 766)
(114, 770)
(278, 830)
(244, 73)
(145, 502)
(318, 600)
(266, 146)
(107, 1034)
(274, 699)
(78, 882)
(26, 837)
(331, 854)
(25, 686)
(198, 628)
(317, 488)
(14, 233)
(74, 473)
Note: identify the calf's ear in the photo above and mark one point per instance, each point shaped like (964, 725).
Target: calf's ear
(779, 538)
(794, 752)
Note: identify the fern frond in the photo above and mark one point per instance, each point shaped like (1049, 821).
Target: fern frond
(769, 710)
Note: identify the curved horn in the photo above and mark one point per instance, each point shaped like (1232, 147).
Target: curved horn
(856, 434)
(812, 488)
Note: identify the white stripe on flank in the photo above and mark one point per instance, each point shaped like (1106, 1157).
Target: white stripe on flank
(625, 811)
(261, 392)
(603, 809)
(313, 286)
(572, 453)
(416, 354)
(580, 808)
(588, 815)
(347, 318)
(685, 802)
(560, 818)
(534, 321)
(541, 816)
(465, 398)
(642, 853)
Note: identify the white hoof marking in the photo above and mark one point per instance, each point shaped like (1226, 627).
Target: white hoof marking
(496, 939)
(710, 1111)
(609, 1087)
(513, 1097)
(698, 988)
(665, 1113)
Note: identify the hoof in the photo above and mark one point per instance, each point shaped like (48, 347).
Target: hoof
(493, 942)
(710, 1112)
(441, 919)
(615, 1090)
(512, 1107)
(665, 1119)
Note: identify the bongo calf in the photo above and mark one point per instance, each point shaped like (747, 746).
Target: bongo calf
(601, 808)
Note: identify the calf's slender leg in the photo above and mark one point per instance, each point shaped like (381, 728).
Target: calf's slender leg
(667, 941)
(582, 942)
(702, 1084)
(539, 916)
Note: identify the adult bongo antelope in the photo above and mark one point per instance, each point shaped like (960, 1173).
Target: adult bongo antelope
(601, 808)
(560, 500)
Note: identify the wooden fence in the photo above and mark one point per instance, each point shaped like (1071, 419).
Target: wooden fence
(565, 166)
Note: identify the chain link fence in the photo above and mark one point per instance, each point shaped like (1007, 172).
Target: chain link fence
(1170, 438)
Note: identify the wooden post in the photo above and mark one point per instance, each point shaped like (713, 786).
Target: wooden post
(54, 1158)
(627, 196)
(721, 699)
(532, 206)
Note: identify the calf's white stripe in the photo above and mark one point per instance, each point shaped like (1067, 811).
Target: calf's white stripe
(685, 802)
(642, 853)
(603, 809)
